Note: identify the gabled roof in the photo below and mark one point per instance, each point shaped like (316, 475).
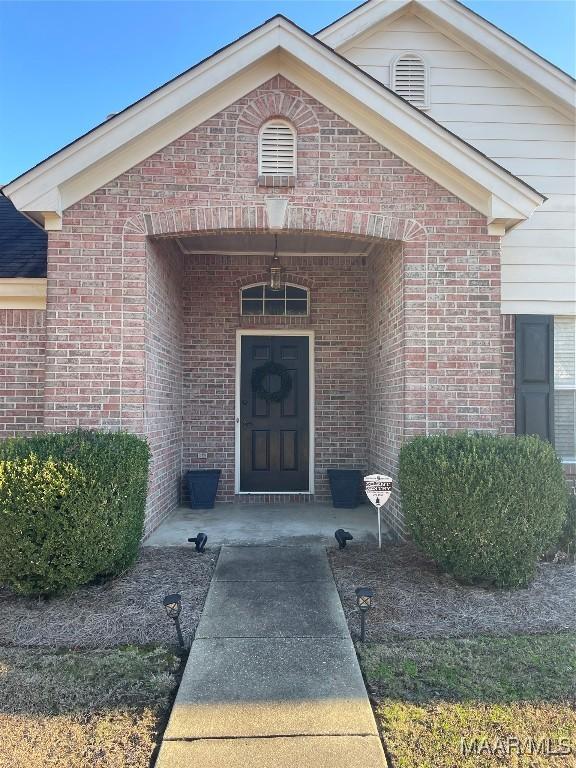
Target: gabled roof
(276, 47)
(472, 32)
(23, 245)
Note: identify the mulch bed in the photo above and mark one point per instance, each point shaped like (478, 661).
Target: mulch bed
(414, 599)
(124, 610)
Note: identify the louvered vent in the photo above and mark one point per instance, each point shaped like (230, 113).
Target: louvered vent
(410, 79)
(277, 149)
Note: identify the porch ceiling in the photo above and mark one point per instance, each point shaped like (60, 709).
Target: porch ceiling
(291, 242)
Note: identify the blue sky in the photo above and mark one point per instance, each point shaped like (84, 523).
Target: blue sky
(64, 66)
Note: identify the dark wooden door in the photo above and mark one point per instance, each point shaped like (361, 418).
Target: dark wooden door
(274, 436)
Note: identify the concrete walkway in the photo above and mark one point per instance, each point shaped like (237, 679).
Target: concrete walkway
(272, 680)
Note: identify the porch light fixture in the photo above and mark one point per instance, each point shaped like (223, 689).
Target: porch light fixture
(342, 537)
(275, 269)
(173, 607)
(364, 597)
(200, 541)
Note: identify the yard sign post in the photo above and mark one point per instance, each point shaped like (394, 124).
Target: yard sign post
(378, 489)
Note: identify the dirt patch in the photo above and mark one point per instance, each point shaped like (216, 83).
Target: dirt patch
(103, 708)
(414, 599)
(125, 610)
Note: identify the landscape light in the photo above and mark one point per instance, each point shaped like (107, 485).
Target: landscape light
(200, 541)
(364, 597)
(173, 606)
(342, 537)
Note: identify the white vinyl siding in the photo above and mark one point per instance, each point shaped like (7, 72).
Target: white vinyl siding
(565, 387)
(514, 127)
(411, 79)
(277, 149)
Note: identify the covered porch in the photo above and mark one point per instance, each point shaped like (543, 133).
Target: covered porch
(205, 336)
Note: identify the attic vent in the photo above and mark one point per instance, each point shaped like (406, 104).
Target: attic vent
(410, 79)
(277, 149)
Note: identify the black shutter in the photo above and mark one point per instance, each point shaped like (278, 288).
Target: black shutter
(535, 375)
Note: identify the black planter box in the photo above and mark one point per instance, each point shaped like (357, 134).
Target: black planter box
(202, 485)
(346, 487)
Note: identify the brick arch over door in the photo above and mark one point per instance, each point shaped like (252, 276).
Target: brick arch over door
(327, 221)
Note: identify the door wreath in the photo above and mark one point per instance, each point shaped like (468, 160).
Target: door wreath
(271, 369)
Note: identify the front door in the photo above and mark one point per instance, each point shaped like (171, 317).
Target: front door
(274, 435)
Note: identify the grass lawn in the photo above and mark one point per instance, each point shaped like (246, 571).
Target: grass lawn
(431, 694)
(74, 709)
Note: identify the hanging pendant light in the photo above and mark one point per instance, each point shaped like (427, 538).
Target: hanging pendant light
(275, 268)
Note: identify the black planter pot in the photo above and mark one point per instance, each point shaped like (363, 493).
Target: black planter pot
(202, 485)
(346, 487)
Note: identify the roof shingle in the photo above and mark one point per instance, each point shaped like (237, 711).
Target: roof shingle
(23, 245)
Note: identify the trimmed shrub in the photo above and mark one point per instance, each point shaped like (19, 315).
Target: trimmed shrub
(484, 508)
(72, 508)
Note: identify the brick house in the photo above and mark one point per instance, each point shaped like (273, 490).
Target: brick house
(312, 202)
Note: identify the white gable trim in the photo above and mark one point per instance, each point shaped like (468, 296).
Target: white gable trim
(277, 47)
(352, 25)
(469, 30)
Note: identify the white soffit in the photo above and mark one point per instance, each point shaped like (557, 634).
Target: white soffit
(278, 46)
(471, 31)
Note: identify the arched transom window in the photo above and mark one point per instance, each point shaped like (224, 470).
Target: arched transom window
(277, 149)
(260, 299)
(410, 79)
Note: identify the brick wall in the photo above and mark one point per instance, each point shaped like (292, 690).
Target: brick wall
(22, 361)
(464, 344)
(208, 180)
(386, 370)
(163, 394)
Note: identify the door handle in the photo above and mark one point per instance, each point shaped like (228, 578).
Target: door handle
(247, 424)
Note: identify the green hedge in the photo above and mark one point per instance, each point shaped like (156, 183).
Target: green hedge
(485, 508)
(72, 508)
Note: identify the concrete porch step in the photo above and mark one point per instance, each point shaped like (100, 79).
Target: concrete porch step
(266, 525)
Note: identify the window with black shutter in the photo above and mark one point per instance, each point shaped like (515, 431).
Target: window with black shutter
(535, 376)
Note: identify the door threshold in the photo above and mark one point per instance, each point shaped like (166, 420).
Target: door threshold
(274, 493)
